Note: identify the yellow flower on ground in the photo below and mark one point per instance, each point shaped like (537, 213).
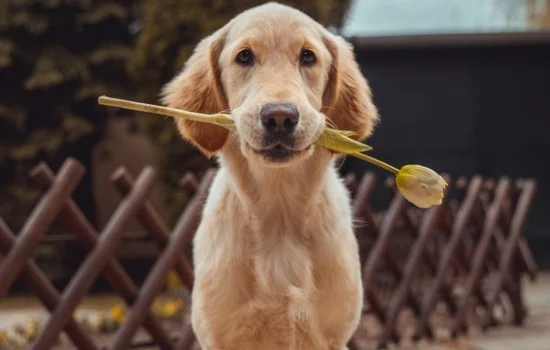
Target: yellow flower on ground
(118, 313)
(167, 308)
(420, 185)
(92, 320)
(3, 338)
(172, 307)
(29, 328)
(173, 281)
(15, 338)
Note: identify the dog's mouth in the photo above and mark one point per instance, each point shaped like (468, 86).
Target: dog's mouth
(279, 153)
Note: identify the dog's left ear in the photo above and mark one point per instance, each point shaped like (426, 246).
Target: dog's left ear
(347, 99)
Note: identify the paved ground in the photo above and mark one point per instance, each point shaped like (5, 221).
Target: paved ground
(534, 335)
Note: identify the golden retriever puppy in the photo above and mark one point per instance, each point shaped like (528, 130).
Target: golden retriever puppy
(275, 257)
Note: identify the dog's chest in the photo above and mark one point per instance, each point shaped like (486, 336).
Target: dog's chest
(300, 284)
(278, 282)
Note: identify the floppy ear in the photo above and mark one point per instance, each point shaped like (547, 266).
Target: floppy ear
(197, 88)
(347, 98)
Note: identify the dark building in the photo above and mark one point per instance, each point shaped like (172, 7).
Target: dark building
(465, 104)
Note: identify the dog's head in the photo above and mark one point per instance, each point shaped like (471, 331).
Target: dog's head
(282, 76)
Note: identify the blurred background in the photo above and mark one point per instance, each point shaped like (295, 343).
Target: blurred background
(462, 87)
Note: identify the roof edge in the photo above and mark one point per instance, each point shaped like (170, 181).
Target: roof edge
(455, 40)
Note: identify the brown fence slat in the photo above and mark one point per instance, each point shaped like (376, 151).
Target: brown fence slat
(516, 228)
(462, 219)
(468, 253)
(153, 223)
(45, 291)
(95, 261)
(480, 254)
(427, 229)
(528, 259)
(379, 250)
(42, 216)
(182, 235)
(379, 254)
(75, 221)
(187, 339)
(366, 228)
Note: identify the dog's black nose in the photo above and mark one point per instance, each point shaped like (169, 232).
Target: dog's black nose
(280, 118)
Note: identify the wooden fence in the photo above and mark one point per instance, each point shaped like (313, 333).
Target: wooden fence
(468, 255)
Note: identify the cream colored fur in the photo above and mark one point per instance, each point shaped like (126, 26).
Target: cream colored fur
(275, 257)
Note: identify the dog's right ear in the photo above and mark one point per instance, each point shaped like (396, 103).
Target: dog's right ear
(197, 88)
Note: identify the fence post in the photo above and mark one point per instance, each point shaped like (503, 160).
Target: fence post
(516, 228)
(95, 261)
(427, 228)
(87, 237)
(462, 219)
(153, 223)
(182, 235)
(44, 289)
(481, 251)
(39, 221)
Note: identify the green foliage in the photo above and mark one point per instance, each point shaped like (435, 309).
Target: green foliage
(170, 30)
(56, 58)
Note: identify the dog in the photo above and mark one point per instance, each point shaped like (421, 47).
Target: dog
(276, 261)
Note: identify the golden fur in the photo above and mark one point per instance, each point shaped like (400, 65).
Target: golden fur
(276, 261)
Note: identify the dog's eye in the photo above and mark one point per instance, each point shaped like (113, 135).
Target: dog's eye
(245, 58)
(307, 58)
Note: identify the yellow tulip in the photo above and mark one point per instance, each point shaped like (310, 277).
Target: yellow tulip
(420, 185)
(336, 140)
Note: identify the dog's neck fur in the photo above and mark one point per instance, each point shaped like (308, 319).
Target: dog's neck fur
(267, 192)
(280, 208)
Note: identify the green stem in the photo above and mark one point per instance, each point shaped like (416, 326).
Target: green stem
(217, 119)
(164, 111)
(376, 162)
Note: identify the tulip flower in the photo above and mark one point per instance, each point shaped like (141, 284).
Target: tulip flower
(418, 184)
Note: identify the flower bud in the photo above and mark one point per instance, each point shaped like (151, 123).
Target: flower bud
(420, 185)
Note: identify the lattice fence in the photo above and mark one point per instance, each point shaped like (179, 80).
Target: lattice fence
(466, 257)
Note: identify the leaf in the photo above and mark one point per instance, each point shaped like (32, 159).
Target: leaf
(91, 90)
(31, 21)
(38, 140)
(46, 140)
(57, 3)
(6, 48)
(103, 12)
(75, 127)
(23, 193)
(110, 52)
(14, 115)
(54, 66)
(23, 152)
(337, 140)
(347, 133)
